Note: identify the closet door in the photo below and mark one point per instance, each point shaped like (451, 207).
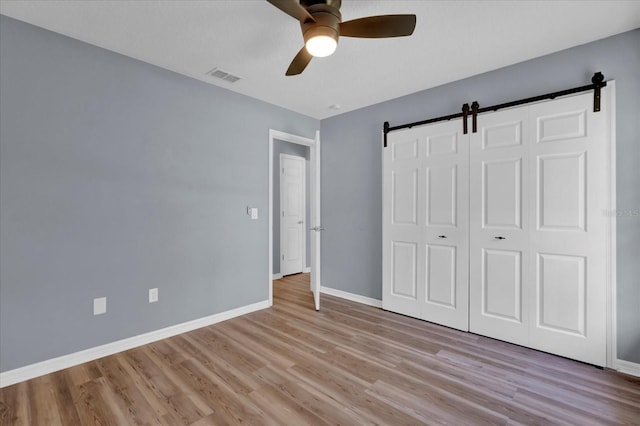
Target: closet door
(425, 224)
(499, 226)
(568, 238)
(401, 226)
(538, 238)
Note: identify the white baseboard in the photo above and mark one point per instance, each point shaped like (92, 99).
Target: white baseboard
(306, 270)
(628, 367)
(353, 297)
(21, 374)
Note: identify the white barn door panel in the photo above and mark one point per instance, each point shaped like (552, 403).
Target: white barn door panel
(538, 235)
(499, 227)
(568, 239)
(425, 249)
(402, 238)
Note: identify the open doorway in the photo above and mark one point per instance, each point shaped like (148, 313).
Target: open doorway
(284, 148)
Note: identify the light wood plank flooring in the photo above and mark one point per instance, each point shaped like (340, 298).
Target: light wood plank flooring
(348, 364)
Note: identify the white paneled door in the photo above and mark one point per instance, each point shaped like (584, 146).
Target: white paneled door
(568, 148)
(426, 224)
(536, 180)
(537, 232)
(292, 214)
(499, 226)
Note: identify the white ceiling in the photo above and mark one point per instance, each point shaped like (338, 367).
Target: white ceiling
(253, 39)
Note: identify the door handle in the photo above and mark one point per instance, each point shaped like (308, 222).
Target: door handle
(317, 228)
(442, 236)
(499, 238)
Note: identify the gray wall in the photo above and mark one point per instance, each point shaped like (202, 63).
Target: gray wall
(117, 176)
(351, 162)
(282, 147)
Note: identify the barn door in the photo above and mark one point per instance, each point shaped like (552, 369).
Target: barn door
(568, 239)
(505, 232)
(425, 224)
(499, 229)
(537, 231)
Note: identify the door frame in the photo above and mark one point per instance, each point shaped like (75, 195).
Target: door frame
(611, 260)
(314, 160)
(303, 247)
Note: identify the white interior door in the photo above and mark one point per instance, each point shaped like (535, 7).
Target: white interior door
(315, 234)
(425, 224)
(499, 229)
(292, 214)
(568, 161)
(538, 235)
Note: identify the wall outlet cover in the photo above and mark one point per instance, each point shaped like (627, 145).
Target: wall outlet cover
(99, 305)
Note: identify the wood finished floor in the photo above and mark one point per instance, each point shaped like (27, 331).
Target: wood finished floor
(348, 364)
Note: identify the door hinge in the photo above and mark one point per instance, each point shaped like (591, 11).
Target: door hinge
(283, 256)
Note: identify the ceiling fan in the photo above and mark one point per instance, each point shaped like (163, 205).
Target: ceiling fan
(322, 25)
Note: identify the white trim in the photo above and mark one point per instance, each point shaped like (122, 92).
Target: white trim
(628, 367)
(21, 374)
(612, 281)
(288, 137)
(306, 270)
(352, 297)
(277, 276)
(314, 145)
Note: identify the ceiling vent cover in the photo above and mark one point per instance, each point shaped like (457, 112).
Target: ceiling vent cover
(223, 75)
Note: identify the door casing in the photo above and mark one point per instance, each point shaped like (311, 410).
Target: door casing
(314, 160)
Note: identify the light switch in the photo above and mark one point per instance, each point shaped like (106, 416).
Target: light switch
(254, 213)
(153, 295)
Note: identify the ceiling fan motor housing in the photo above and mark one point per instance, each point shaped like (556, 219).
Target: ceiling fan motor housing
(327, 16)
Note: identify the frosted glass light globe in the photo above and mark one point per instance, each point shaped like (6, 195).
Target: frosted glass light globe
(321, 46)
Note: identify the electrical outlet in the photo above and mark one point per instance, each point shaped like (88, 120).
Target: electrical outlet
(153, 295)
(99, 305)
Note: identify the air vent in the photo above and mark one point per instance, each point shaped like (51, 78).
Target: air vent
(223, 75)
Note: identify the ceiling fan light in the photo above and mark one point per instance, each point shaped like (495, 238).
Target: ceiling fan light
(320, 40)
(321, 46)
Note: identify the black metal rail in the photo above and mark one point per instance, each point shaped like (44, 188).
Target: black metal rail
(597, 83)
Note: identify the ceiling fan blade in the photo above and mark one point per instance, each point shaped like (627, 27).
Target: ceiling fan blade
(300, 62)
(379, 26)
(293, 8)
